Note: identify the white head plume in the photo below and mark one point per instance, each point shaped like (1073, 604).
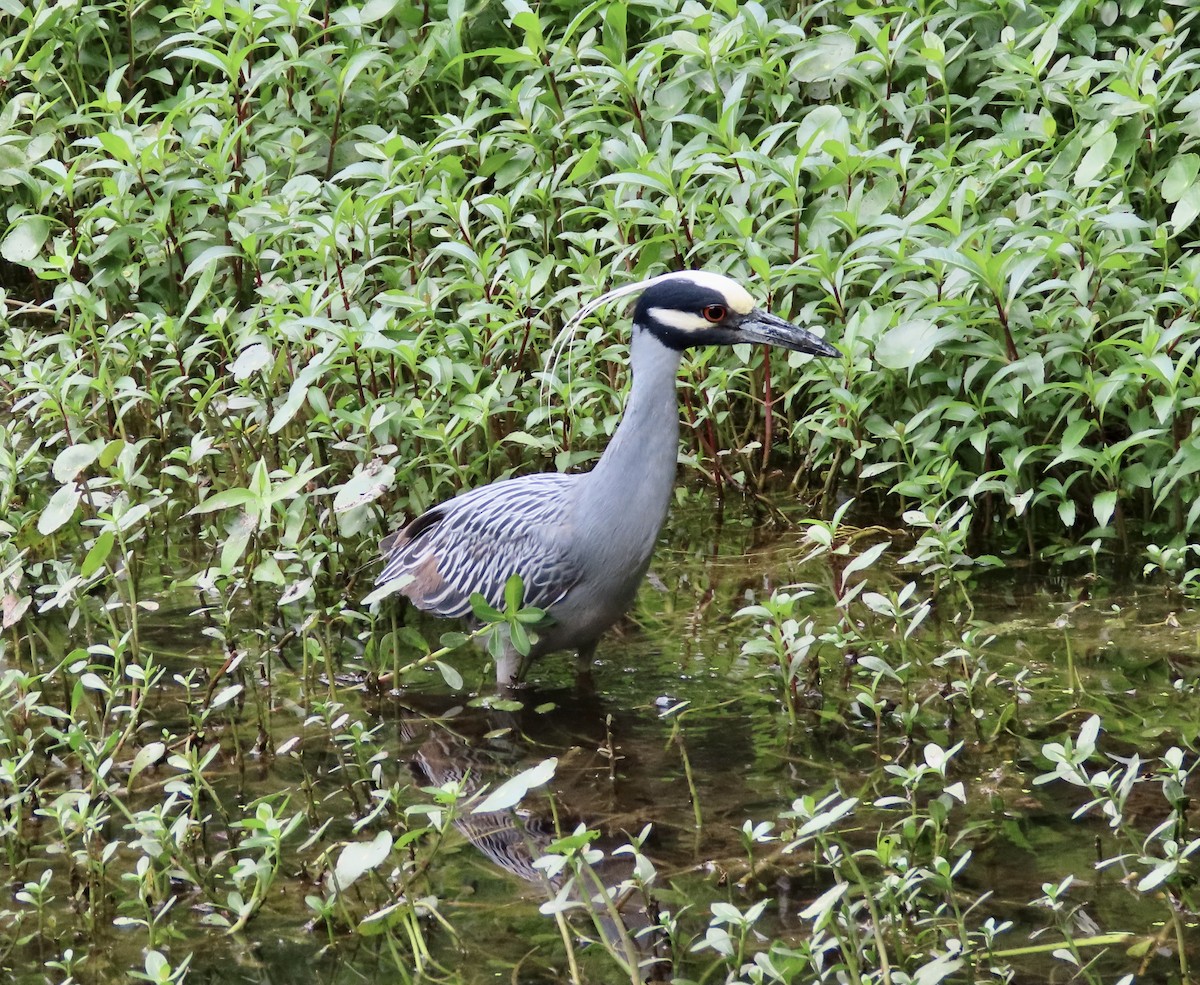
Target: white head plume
(738, 297)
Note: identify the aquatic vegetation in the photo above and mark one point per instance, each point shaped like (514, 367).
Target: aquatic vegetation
(275, 274)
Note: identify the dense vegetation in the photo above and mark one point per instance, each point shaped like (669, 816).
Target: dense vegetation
(276, 274)
(247, 236)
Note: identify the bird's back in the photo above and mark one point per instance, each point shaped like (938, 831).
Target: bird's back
(582, 543)
(478, 540)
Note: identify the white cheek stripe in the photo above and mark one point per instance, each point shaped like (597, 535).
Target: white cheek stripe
(681, 321)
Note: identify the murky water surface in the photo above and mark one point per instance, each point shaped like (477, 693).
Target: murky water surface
(684, 737)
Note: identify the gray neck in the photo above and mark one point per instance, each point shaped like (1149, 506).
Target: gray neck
(629, 490)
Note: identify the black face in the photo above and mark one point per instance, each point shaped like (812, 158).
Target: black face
(681, 313)
(713, 320)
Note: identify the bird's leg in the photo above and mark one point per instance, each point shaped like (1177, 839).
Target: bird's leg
(583, 667)
(509, 667)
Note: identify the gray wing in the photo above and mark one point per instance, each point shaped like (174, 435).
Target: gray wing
(477, 541)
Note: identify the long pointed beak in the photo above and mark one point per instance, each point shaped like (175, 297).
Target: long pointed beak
(762, 326)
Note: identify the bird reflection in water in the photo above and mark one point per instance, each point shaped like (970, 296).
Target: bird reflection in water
(474, 748)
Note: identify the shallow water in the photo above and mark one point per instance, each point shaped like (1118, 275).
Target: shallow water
(683, 735)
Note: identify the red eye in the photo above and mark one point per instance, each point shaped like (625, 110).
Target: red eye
(715, 313)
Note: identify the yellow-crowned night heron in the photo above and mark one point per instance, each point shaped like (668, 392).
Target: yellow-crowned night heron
(581, 543)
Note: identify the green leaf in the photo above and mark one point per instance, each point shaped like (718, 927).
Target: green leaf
(224, 500)
(937, 970)
(1180, 176)
(201, 57)
(820, 908)
(518, 636)
(452, 677)
(97, 554)
(297, 590)
(260, 481)
(822, 58)
(1103, 506)
(877, 665)
(585, 165)
(252, 359)
(297, 392)
(358, 858)
(1066, 512)
(514, 594)
(94, 682)
(513, 791)
(1096, 159)
(389, 588)
(226, 695)
(382, 920)
(364, 487)
(25, 239)
(1186, 209)
(376, 10)
(60, 509)
(117, 145)
(235, 544)
(864, 560)
(13, 163)
(111, 451)
(147, 756)
(529, 22)
(268, 572)
(72, 460)
(158, 969)
(136, 514)
(909, 344)
(1045, 49)
(208, 259)
(483, 611)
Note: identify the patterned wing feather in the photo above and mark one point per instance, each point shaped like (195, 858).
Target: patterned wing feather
(477, 541)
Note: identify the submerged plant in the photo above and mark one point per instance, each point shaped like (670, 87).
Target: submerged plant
(274, 275)
(1161, 860)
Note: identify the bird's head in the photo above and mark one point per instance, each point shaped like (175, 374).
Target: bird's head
(694, 307)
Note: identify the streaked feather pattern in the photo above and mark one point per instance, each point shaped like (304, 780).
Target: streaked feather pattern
(477, 541)
(582, 543)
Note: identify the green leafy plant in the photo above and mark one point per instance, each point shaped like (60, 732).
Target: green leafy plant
(275, 276)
